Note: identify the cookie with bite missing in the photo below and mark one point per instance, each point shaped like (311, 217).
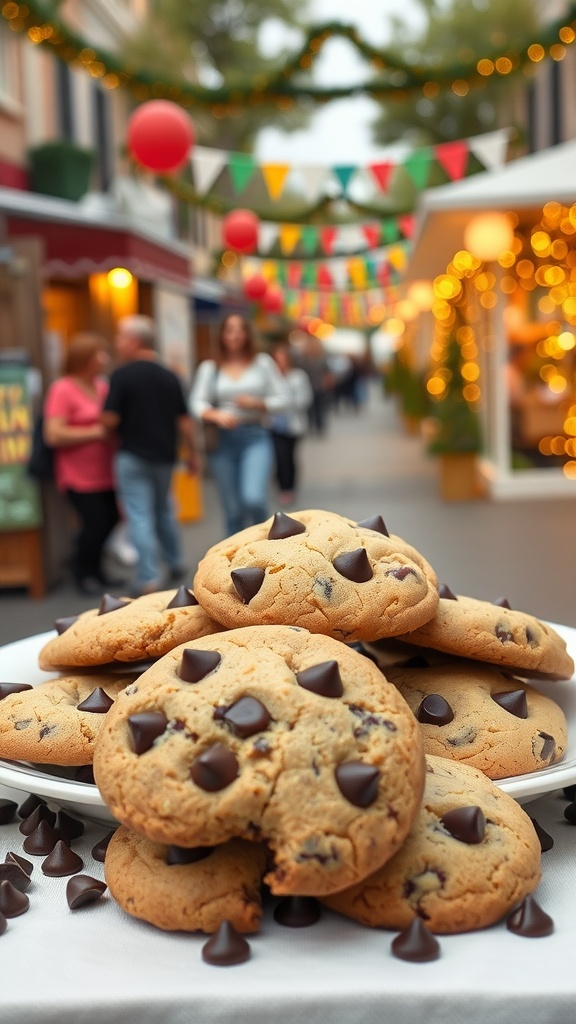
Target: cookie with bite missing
(494, 633)
(331, 575)
(267, 733)
(180, 889)
(483, 717)
(471, 855)
(56, 722)
(122, 631)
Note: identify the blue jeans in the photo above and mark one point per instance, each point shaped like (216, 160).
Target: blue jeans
(144, 491)
(241, 468)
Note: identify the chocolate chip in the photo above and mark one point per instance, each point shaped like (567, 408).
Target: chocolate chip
(14, 858)
(401, 573)
(415, 943)
(548, 747)
(85, 773)
(284, 526)
(145, 727)
(68, 827)
(445, 592)
(8, 810)
(247, 583)
(111, 604)
(247, 716)
(61, 625)
(41, 813)
(23, 724)
(435, 710)
(467, 824)
(183, 598)
(375, 523)
(215, 769)
(465, 736)
(529, 920)
(42, 840)
(7, 689)
(325, 585)
(354, 565)
(99, 850)
(83, 889)
(297, 911)
(504, 635)
(195, 665)
(358, 782)
(15, 873)
(3, 924)
(226, 947)
(98, 702)
(570, 813)
(30, 804)
(185, 855)
(513, 701)
(546, 841)
(12, 901)
(62, 861)
(569, 792)
(323, 679)
(502, 602)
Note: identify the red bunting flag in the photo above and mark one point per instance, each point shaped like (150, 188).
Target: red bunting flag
(381, 173)
(327, 239)
(406, 224)
(294, 274)
(371, 233)
(453, 157)
(324, 277)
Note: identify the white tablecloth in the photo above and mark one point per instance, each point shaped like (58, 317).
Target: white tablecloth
(97, 965)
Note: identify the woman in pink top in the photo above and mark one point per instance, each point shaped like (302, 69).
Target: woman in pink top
(83, 453)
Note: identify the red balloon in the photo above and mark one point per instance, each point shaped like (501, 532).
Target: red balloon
(160, 135)
(273, 299)
(240, 231)
(255, 287)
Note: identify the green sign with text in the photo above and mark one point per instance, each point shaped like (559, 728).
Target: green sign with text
(20, 507)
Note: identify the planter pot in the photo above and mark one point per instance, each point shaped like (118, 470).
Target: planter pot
(459, 477)
(60, 169)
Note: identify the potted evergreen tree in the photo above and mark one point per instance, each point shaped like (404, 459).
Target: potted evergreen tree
(60, 168)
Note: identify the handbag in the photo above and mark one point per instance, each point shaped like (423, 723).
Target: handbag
(41, 462)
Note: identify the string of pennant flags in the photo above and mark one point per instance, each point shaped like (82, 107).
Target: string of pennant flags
(344, 309)
(339, 274)
(305, 240)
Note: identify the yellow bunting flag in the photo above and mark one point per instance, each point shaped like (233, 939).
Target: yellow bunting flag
(274, 178)
(397, 257)
(357, 272)
(289, 237)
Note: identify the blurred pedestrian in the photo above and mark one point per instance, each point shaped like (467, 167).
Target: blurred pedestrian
(146, 407)
(314, 361)
(231, 396)
(83, 454)
(289, 426)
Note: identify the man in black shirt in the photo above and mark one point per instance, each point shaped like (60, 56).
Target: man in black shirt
(147, 409)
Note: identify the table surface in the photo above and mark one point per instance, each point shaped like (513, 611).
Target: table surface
(97, 964)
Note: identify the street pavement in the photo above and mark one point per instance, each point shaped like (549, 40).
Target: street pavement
(366, 464)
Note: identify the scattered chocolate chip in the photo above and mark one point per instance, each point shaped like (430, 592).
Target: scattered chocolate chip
(24, 724)
(145, 727)
(83, 889)
(445, 592)
(529, 920)
(546, 841)
(185, 855)
(68, 827)
(12, 901)
(98, 702)
(215, 769)
(62, 861)
(15, 858)
(375, 523)
(247, 716)
(196, 665)
(183, 598)
(42, 840)
(247, 583)
(61, 625)
(467, 824)
(502, 602)
(111, 604)
(504, 635)
(569, 792)
(402, 572)
(14, 873)
(513, 701)
(297, 911)
(99, 850)
(570, 813)
(358, 782)
(7, 689)
(354, 565)
(435, 710)
(530, 638)
(30, 804)
(465, 736)
(226, 947)
(3, 924)
(8, 810)
(323, 679)
(284, 526)
(85, 773)
(324, 585)
(415, 943)
(41, 813)
(548, 747)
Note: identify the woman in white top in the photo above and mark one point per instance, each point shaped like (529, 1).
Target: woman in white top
(289, 426)
(235, 392)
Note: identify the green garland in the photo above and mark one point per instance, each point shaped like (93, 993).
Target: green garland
(395, 80)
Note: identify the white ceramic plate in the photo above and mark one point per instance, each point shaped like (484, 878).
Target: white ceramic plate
(19, 663)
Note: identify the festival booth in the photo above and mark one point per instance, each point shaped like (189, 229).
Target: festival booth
(500, 249)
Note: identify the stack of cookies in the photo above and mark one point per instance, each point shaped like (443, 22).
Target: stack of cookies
(277, 727)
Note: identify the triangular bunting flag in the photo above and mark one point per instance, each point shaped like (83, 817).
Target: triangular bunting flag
(453, 157)
(339, 274)
(397, 257)
(267, 235)
(490, 149)
(241, 167)
(309, 274)
(357, 272)
(383, 274)
(206, 166)
(418, 165)
(309, 238)
(390, 230)
(294, 275)
(371, 233)
(382, 172)
(327, 239)
(324, 277)
(406, 223)
(281, 276)
(274, 178)
(313, 177)
(289, 238)
(344, 173)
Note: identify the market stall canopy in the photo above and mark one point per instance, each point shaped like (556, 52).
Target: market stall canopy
(523, 185)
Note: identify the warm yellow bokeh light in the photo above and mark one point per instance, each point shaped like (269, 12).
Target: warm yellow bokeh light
(471, 392)
(558, 445)
(569, 470)
(557, 384)
(394, 326)
(566, 341)
(470, 371)
(488, 235)
(119, 277)
(435, 386)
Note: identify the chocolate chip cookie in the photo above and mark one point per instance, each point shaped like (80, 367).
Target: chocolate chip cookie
(267, 733)
(189, 890)
(471, 855)
(484, 717)
(124, 630)
(321, 571)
